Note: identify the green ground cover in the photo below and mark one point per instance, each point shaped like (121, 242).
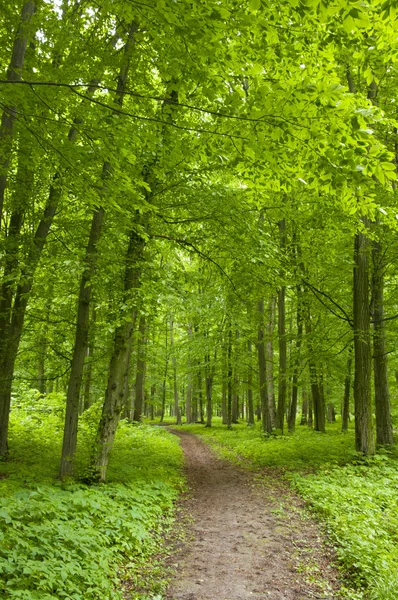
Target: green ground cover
(356, 498)
(72, 540)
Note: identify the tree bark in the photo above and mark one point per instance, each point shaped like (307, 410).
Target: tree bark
(140, 376)
(269, 351)
(345, 415)
(304, 407)
(229, 379)
(293, 406)
(115, 392)
(11, 335)
(177, 411)
(200, 396)
(235, 398)
(280, 417)
(209, 391)
(317, 406)
(166, 364)
(188, 404)
(384, 434)
(79, 349)
(14, 73)
(250, 406)
(265, 412)
(364, 440)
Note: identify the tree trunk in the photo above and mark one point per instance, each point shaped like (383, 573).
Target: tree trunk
(188, 405)
(14, 73)
(250, 406)
(269, 351)
(331, 413)
(114, 395)
(209, 390)
(293, 406)
(265, 412)
(280, 417)
(229, 379)
(140, 376)
(310, 411)
(380, 361)
(345, 415)
(80, 348)
(364, 440)
(177, 411)
(166, 364)
(235, 398)
(304, 407)
(317, 405)
(10, 337)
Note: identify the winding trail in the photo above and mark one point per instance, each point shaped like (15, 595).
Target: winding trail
(245, 545)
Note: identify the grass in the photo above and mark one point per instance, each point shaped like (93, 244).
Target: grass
(357, 499)
(75, 541)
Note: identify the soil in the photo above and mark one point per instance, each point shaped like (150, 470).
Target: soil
(250, 538)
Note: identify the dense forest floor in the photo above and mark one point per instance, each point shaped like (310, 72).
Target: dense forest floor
(251, 538)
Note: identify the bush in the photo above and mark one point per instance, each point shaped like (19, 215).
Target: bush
(71, 540)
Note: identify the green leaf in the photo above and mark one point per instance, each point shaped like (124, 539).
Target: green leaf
(255, 4)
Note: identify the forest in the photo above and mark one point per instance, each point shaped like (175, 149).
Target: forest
(199, 259)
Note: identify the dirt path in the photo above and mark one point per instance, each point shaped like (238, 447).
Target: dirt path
(245, 545)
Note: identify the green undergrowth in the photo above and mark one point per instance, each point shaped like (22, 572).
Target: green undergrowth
(357, 499)
(75, 541)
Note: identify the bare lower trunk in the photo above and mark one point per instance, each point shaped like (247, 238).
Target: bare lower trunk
(269, 352)
(310, 411)
(79, 349)
(10, 338)
(364, 440)
(280, 417)
(177, 411)
(304, 407)
(164, 377)
(345, 415)
(188, 404)
(224, 416)
(115, 392)
(89, 362)
(293, 406)
(140, 376)
(235, 399)
(317, 404)
(224, 411)
(380, 356)
(229, 380)
(209, 390)
(250, 406)
(265, 412)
